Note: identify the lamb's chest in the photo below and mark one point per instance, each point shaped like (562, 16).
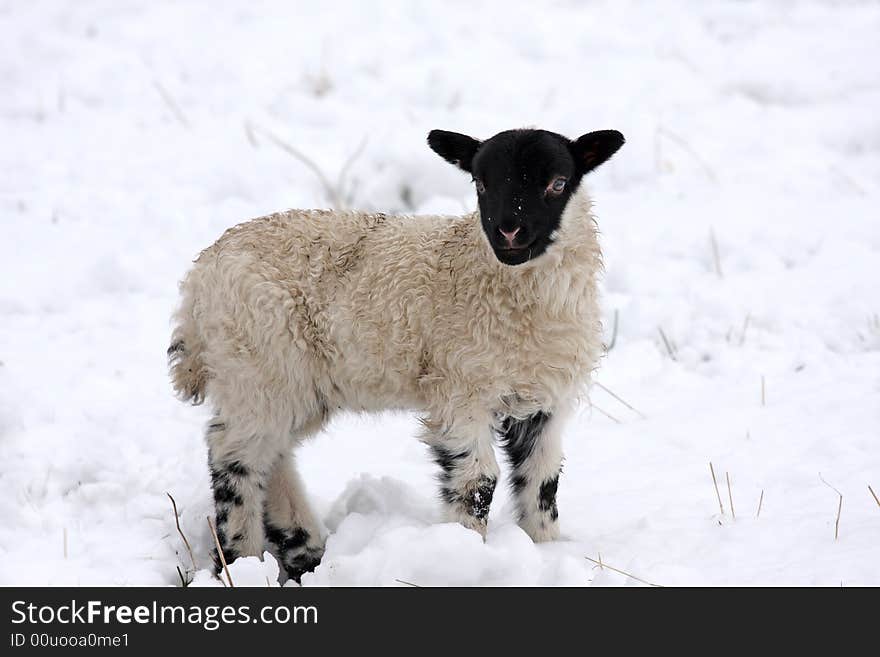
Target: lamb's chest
(544, 363)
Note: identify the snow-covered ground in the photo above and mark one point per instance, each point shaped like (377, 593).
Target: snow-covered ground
(134, 133)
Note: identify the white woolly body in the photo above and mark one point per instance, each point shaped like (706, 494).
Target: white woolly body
(290, 317)
(302, 312)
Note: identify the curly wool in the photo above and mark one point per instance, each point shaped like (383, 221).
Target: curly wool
(289, 317)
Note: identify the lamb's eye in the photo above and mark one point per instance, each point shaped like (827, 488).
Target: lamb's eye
(557, 185)
(481, 188)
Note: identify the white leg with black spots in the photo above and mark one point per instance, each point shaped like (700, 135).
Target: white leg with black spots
(292, 531)
(534, 450)
(240, 464)
(469, 471)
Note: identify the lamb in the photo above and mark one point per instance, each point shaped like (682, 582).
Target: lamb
(485, 324)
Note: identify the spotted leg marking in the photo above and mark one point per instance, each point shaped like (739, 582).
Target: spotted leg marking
(292, 532)
(238, 480)
(468, 474)
(534, 450)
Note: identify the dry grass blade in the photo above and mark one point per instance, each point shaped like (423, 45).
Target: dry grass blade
(621, 400)
(730, 496)
(666, 342)
(335, 193)
(837, 520)
(180, 531)
(742, 337)
(710, 173)
(603, 565)
(183, 582)
(874, 495)
(220, 552)
(829, 485)
(848, 179)
(839, 506)
(329, 189)
(172, 105)
(613, 332)
(715, 253)
(760, 504)
(251, 136)
(343, 172)
(608, 415)
(403, 581)
(717, 493)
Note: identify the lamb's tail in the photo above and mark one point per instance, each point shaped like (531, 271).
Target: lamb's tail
(189, 376)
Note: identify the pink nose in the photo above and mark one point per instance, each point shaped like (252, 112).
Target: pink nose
(509, 236)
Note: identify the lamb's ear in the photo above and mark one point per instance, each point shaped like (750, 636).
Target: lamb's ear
(594, 148)
(453, 147)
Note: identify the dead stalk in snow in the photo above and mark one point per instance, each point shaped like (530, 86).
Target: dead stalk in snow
(760, 503)
(848, 179)
(251, 136)
(180, 531)
(613, 332)
(335, 192)
(874, 495)
(172, 105)
(668, 344)
(837, 520)
(604, 565)
(608, 415)
(220, 552)
(403, 581)
(715, 253)
(730, 496)
(742, 337)
(839, 506)
(622, 401)
(331, 192)
(349, 162)
(710, 173)
(715, 481)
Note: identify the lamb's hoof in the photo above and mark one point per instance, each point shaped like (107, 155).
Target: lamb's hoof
(541, 531)
(304, 561)
(468, 521)
(479, 526)
(229, 555)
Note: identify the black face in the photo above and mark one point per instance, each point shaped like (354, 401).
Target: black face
(524, 179)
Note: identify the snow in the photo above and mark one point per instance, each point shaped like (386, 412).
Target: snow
(134, 133)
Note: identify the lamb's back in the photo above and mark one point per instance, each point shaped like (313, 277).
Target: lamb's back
(347, 295)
